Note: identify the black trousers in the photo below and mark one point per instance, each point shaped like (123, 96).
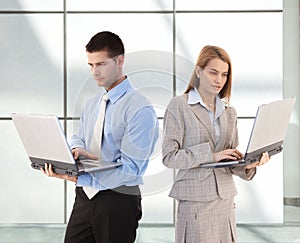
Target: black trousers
(109, 217)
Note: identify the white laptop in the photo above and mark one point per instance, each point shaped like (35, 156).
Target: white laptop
(45, 142)
(268, 133)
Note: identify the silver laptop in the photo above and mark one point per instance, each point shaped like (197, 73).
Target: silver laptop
(268, 133)
(45, 142)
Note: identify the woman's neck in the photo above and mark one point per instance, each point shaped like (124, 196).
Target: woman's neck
(208, 99)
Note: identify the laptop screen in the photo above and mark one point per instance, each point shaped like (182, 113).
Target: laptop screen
(270, 124)
(43, 137)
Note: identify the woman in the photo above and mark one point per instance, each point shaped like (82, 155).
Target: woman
(200, 127)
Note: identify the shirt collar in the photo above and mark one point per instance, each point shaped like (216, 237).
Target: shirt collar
(118, 91)
(194, 98)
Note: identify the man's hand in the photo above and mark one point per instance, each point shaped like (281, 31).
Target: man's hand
(49, 172)
(77, 152)
(264, 159)
(81, 152)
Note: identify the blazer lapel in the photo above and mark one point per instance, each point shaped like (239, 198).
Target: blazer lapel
(203, 117)
(223, 132)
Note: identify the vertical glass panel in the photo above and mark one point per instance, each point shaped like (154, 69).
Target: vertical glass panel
(158, 179)
(32, 5)
(31, 63)
(184, 70)
(291, 45)
(119, 5)
(28, 196)
(229, 5)
(157, 208)
(257, 202)
(291, 164)
(153, 76)
(148, 55)
(72, 127)
(70, 198)
(256, 54)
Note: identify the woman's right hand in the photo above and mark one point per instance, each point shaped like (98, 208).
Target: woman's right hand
(228, 154)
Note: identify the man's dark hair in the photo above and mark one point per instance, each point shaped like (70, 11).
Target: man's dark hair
(106, 41)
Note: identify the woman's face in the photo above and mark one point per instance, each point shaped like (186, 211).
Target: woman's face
(213, 77)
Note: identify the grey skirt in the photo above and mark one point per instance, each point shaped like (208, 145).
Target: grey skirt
(206, 222)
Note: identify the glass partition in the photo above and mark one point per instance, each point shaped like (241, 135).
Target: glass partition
(256, 202)
(44, 70)
(119, 5)
(32, 5)
(221, 5)
(28, 196)
(256, 54)
(31, 63)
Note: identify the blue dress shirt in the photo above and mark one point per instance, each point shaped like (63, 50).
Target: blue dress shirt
(194, 98)
(129, 134)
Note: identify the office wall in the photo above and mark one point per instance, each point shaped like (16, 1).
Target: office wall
(291, 87)
(44, 70)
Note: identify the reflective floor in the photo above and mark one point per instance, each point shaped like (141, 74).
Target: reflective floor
(288, 233)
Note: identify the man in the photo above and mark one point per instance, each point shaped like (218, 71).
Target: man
(107, 207)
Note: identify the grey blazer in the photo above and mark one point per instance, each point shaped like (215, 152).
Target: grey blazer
(189, 140)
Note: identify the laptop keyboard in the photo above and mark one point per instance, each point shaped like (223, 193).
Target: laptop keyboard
(88, 163)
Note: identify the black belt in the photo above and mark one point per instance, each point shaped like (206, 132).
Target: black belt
(131, 190)
(127, 190)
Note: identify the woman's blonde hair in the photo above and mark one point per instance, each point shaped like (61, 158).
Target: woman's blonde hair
(208, 53)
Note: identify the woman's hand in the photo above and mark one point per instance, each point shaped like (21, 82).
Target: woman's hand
(228, 154)
(49, 172)
(264, 159)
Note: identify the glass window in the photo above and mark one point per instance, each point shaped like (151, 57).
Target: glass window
(153, 76)
(229, 5)
(157, 205)
(72, 127)
(148, 55)
(70, 197)
(157, 208)
(29, 196)
(255, 197)
(184, 69)
(119, 5)
(256, 54)
(32, 5)
(32, 73)
(158, 179)
(31, 63)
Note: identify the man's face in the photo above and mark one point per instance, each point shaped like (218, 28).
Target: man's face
(106, 70)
